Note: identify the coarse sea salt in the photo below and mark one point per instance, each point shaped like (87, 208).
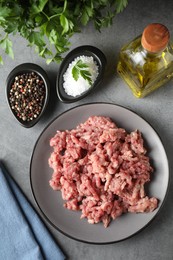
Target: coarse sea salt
(73, 87)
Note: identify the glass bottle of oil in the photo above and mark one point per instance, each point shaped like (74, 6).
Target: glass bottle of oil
(146, 63)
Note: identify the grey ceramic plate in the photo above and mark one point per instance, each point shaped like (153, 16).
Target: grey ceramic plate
(50, 202)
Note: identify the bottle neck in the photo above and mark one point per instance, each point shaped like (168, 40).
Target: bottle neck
(153, 54)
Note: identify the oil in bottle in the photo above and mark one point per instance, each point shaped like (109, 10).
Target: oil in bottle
(146, 63)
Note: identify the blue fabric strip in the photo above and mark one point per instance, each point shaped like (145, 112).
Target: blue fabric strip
(22, 233)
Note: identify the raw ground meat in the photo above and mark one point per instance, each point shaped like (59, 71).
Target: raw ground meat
(101, 170)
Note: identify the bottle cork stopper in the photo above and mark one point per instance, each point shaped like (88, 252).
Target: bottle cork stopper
(155, 37)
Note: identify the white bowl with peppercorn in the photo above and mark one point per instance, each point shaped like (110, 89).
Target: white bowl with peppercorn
(27, 93)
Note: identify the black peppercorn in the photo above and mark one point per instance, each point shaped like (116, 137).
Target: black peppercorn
(27, 96)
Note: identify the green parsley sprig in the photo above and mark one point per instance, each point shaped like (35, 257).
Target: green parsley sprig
(81, 69)
(48, 25)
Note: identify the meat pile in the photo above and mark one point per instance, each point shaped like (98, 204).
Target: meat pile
(101, 170)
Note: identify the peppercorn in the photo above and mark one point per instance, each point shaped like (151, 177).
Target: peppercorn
(27, 96)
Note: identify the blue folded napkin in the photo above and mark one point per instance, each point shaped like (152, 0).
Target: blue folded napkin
(22, 233)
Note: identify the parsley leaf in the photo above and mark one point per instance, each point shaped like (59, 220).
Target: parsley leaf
(1, 60)
(4, 12)
(120, 5)
(6, 44)
(81, 69)
(38, 7)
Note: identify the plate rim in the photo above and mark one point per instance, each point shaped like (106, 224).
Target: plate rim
(65, 233)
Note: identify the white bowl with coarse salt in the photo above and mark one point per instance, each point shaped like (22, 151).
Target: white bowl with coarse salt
(80, 72)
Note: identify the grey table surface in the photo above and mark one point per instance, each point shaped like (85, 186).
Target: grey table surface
(16, 143)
